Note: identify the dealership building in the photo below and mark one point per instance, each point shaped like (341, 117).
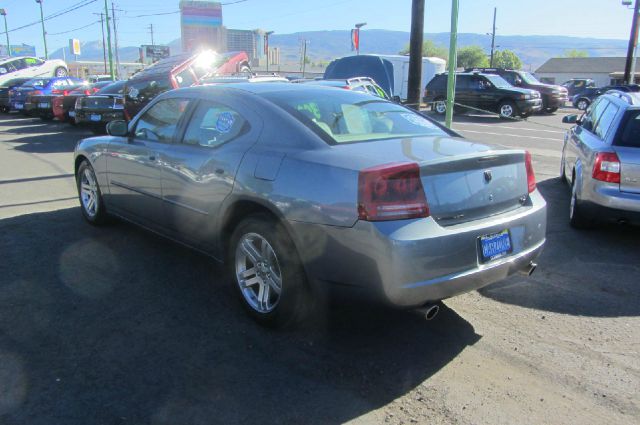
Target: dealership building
(202, 28)
(603, 70)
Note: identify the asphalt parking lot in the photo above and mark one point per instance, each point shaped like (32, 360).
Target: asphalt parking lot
(115, 325)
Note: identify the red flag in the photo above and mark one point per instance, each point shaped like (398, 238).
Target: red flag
(355, 39)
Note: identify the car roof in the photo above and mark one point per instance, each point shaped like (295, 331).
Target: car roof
(256, 88)
(629, 100)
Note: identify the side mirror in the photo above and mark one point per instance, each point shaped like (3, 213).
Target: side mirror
(396, 99)
(118, 128)
(570, 119)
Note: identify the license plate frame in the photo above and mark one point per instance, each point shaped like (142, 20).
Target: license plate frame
(95, 117)
(72, 114)
(495, 245)
(43, 105)
(19, 106)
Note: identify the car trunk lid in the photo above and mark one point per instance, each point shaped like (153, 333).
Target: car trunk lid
(629, 168)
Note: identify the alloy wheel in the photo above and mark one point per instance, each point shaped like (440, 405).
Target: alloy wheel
(506, 110)
(89, 192)
(441, 107)
(258, 273)
(582, 105)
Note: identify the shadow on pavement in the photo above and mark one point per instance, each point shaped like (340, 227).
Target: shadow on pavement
(581, 272)
(115, 325)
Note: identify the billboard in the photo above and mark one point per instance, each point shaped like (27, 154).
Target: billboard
(18, 50)
(201, 25)
(153, 53)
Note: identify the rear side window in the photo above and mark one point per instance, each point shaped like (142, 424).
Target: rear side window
(606, 119)
(437, 83)
(629, 133)
(159, 123)
(213, 124)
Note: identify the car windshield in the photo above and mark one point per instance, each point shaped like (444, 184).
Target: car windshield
(529, 78)
(38, 82)
(498, 81)
(346, 116)
(113, 88)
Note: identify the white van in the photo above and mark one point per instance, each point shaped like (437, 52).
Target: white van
(430, 67)
(30, 67)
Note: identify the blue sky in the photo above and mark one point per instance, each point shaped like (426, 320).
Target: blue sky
(581, 18)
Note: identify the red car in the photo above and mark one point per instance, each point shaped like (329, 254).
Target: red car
(179, 71)
(63, 105)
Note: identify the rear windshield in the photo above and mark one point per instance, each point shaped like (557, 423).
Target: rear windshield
(113, 88)
(37, 82)
(629, 133)
(14, 82)
(347, 116)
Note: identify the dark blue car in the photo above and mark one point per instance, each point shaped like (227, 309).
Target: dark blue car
(20, 99)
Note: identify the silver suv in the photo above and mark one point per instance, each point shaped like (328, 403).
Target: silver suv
(601, 161)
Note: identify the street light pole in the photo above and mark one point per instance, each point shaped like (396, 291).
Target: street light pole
(358, 26)
(266, 46)
(451, 77)
(493, 37)
(3, 12)
(104, 43)
(633, 40)
(44, 32)
(106, 14)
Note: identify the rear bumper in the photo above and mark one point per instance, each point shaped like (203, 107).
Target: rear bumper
(555, 101)
(410, 262)
(605, 201)
(106, 116)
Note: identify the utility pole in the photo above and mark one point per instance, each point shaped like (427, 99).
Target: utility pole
(115, 36)
(451, 77)
(633, 40)
(106, 14)
(151, 30)
(104, 43)
(304, 57)
(3, 12)
(44, 32)
(415, 54)
(493, 37)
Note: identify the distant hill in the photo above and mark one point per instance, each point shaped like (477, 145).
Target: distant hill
(327, 45)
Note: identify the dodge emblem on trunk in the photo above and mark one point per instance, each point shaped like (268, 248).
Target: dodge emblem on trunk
(487, 176)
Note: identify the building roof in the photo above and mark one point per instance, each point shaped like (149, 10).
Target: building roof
(604, 65)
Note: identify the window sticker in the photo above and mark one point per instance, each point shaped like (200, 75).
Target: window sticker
(133, 93)
(416, 120)
(225, 122)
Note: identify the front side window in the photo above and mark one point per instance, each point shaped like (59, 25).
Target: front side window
(159, 123)
(593, 114)
(347, 117)
(214, 124)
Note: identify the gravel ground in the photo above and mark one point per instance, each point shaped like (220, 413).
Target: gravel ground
(118, 326)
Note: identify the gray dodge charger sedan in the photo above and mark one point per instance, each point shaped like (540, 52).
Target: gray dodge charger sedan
(301, 189)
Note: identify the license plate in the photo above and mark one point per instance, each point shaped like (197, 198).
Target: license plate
(495, 245)
(95, 117)
(19, 106)
(72, 114)
(43, 105)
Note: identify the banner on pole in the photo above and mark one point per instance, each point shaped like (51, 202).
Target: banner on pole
(74, 46)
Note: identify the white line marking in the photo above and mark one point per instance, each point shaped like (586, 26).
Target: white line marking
(508, 127)
(511, 135)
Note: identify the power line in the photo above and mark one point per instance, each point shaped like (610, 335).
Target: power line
(177, 11)
(57, 14)
(75, 29)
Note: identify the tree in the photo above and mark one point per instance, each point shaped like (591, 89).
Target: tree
(506, 59)
(575, 53)
(472, 57)
(429, 48)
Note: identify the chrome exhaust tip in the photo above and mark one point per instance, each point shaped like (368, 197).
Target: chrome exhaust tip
(529, 269)
(429, 311)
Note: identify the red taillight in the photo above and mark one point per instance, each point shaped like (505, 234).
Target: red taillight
(531, 177)
(36, 93)
(57, 91)
(606, 167)
(391, 192)
(95, 90)
(87, 92)
(346, 87)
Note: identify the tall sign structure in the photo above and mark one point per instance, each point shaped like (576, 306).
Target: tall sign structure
(201, 26)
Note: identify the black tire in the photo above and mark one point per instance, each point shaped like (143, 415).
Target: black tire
(60, 71)
(551, 110)
(582, 104)
(99, 215)
(439, 106)
(525, 115)
(293, 302)
(504, 107)
(577, 217)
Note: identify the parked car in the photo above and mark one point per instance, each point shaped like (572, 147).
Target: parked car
(243, 78)
(601, 161)
(30, 67)
(391, 72)
(179, 71)
(302, 188)
(98, 78)
(585, 98)
(5, 88)
(63, 107)
(21, 98)
(97, 110)
(43, 102)
(361, 84)
(577, 85)
(487, 92)
(553, 96)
